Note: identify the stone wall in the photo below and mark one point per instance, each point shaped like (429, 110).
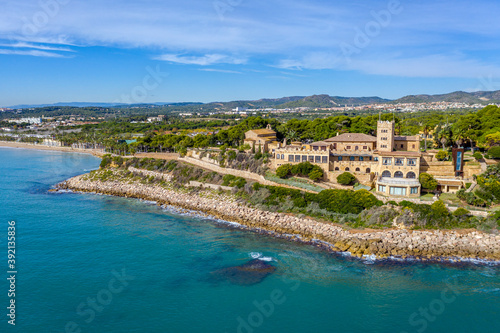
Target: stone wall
(382, 243)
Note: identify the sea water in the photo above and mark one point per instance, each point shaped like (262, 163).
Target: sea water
(95, 263)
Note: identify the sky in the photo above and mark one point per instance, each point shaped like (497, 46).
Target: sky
(222, 50)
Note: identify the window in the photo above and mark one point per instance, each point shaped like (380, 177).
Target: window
(317, 159)
(365, 147)
(375, 159)
(340, 158)
(398, 174)
(412, 161)
(356, 148)
(384, 138)
(297, 158)
(402, 146)
(381, 188)
(290, 158)
(411, 175)
(346, 169)
(304, 158)
(337, 169)
(361, 158)
(311, 159)
(399, 161)
(384, 131)
(348, 147)
(324, 159)
(414, 190)
(282, 156)
(397, 190)
(413, 146)
(351, 158)
(358, 170)
(386, 173)
(368, 170)
(383, 146)
(387, 160)
(278, 156)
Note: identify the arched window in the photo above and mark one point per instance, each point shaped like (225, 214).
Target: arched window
(411, 175)
(346, 169)
(282, 156)
(386, 173)
(398, 174)
(337, 169)
(368, 170)
(278, 156)
(358, 170)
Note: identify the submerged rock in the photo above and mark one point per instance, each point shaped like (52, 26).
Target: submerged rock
(251, 272)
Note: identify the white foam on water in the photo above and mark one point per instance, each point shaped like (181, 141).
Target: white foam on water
(258, 255)
(149, 202)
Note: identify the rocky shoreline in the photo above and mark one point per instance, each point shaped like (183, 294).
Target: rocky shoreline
(422, 245)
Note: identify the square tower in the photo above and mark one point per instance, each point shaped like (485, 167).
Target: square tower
(385, 135)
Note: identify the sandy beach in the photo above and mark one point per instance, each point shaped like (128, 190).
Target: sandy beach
(23, 145)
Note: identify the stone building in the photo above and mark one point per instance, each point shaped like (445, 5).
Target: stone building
(265, 138)
(388, 162)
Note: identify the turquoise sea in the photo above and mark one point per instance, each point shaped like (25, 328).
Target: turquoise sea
(93, 263)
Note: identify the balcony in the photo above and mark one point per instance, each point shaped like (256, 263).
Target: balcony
(398, 181)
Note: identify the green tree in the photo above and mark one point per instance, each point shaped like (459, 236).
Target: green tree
(442, 155)
(428, 182)
(284, 170)
(346, 178)
(494, 152)
(316, 173)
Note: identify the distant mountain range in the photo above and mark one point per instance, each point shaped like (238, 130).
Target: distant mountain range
(315, 101)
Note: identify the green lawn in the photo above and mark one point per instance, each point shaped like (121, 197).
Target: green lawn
(427, 197)
(297, 182)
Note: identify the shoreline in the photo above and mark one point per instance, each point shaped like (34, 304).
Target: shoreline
(24, 145)
(430, 245)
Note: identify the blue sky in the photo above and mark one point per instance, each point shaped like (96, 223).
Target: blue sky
(222, 50)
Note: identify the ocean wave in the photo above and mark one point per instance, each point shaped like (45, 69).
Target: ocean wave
(260, 256)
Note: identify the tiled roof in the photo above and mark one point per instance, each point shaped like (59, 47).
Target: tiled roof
(320, 143)
(352, 137)
(263, 131)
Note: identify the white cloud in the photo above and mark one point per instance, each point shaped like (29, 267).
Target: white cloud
(35, 46)
(34, 53)
(206, 60)
(219, 70)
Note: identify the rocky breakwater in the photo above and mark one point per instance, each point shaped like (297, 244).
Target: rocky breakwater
(386, 243)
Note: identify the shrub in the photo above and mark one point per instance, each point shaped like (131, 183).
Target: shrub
(442, 155)
(477, 155)
(316, 173)
(494, 152)
(346, 178)
(439, 209)
(284, 170)
(106, 160)
(461, 212)
(428, 182)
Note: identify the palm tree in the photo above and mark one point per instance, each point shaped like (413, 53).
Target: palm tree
(426, 129)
